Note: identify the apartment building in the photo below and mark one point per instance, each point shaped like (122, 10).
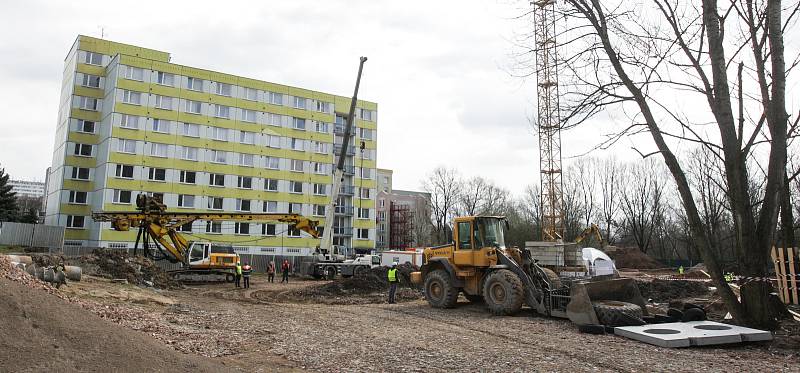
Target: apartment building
(25, 188)
(131, 122)
(403, 216)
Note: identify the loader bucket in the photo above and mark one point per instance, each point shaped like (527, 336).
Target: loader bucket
(580, 310)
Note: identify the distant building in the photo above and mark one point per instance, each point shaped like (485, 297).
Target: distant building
(30, 189)
(403, 216)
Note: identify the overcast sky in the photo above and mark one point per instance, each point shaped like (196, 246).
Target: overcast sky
(437, 69)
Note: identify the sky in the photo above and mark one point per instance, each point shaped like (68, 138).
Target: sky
(442, 73)
(439, 71)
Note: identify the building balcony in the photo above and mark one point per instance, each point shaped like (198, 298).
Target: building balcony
(339, 130)
(342, 231)
(337, 149)
(344, 210)
(347, 190)
(349, 170)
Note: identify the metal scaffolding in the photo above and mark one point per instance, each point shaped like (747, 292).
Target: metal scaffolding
(401, 226)
(549, 121)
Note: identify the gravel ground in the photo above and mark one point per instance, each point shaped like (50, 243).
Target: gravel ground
(249, 332)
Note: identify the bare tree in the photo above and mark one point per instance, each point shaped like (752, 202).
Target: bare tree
(444, 185)
(642, 204)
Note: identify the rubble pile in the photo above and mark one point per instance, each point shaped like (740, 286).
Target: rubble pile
(19, 275)
(116, 264)
(631, 257)
(668, 290)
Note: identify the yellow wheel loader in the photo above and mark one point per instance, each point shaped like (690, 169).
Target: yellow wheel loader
(478, 264)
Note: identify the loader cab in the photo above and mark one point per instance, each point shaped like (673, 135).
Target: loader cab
(475, 236)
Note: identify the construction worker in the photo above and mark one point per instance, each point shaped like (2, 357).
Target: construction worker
(285, 270)
(246, 270)
(680, 270)
(238, 273)
(393, 281)
(271, 272)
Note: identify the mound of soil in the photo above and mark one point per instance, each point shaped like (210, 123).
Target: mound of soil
(42, 332)
(115, 264)
(668, 290)
(377, 279)
(631, 257)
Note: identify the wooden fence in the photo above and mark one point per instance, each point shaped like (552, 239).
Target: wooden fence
(786, 271)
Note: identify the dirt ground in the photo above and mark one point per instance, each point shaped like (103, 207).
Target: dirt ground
(278, 327)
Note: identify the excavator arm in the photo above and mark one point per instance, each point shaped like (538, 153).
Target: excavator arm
(591, 230)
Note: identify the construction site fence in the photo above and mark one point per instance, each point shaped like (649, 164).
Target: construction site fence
(259, 263)
(31, 235)
(787, 271)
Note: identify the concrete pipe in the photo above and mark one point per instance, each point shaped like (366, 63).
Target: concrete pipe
(39, 273)
(30, 268)
(49, 275)
(20, 259)
(73, 273)
(58, 277)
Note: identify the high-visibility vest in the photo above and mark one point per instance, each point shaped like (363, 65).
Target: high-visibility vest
(392, 275)
(238, 269)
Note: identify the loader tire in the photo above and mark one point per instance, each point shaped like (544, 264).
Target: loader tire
(555, 281)
(503, 292)
(439, 289)
(615, 313)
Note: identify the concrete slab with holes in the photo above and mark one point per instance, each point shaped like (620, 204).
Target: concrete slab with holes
(693, 333)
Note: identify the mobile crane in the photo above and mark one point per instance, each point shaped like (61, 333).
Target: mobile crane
(200, 261)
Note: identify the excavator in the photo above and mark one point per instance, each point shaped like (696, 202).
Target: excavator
(592, 230)
(200, 261)
(478, 264)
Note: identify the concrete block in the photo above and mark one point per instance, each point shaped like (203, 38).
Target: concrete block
(694, 333)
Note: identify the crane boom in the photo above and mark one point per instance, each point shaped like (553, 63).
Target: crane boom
(326, 244)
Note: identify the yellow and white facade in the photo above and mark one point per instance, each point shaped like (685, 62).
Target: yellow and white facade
(131, 122)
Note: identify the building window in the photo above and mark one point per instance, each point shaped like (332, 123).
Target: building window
(219, 134)
(188, 177)
(364, 192)
(270, 206)
(295, 208)
(131, 97)
(165, 79)
(84, 150)
(88, 103)
(216, 180)
(163, 102)
(185, 200)
(134, 73)
(275, 98)
(272, 163)
(218, 156)
(129, 121)
(381, 215)
(244, 182)
(363, 213)
(74, 221)
(297, 165)
(184, 228)
(299, 103)
(319, 168)
(248, 115)
(160, 125)
(298, 123)
(246, 160)
(382, 202)
(194, 107)
(366, 173)
(157, 174)
(85, 126)
(195, 84)
(77, 197)
(297, 144)
(319, 210)
(274, 119)
(320, 189)
(215, 203)
(222, 111)
(321, 127)
(268, 230)
(241, 228)
(319, 147)
(365, 133)
(93, 58)
(323, 107)
(214, 227)
(189, 153)
(247, 137)
(292, 231)
(366, 114)
(122, 196)
(273, 141)
(363, 233)
(82, 173)
(223, 89)
(243, 205)
(124, 171)
(295, 187)
(250, 94)
(158, 150)
(271, 185)
(190, 130)
(91, 81)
